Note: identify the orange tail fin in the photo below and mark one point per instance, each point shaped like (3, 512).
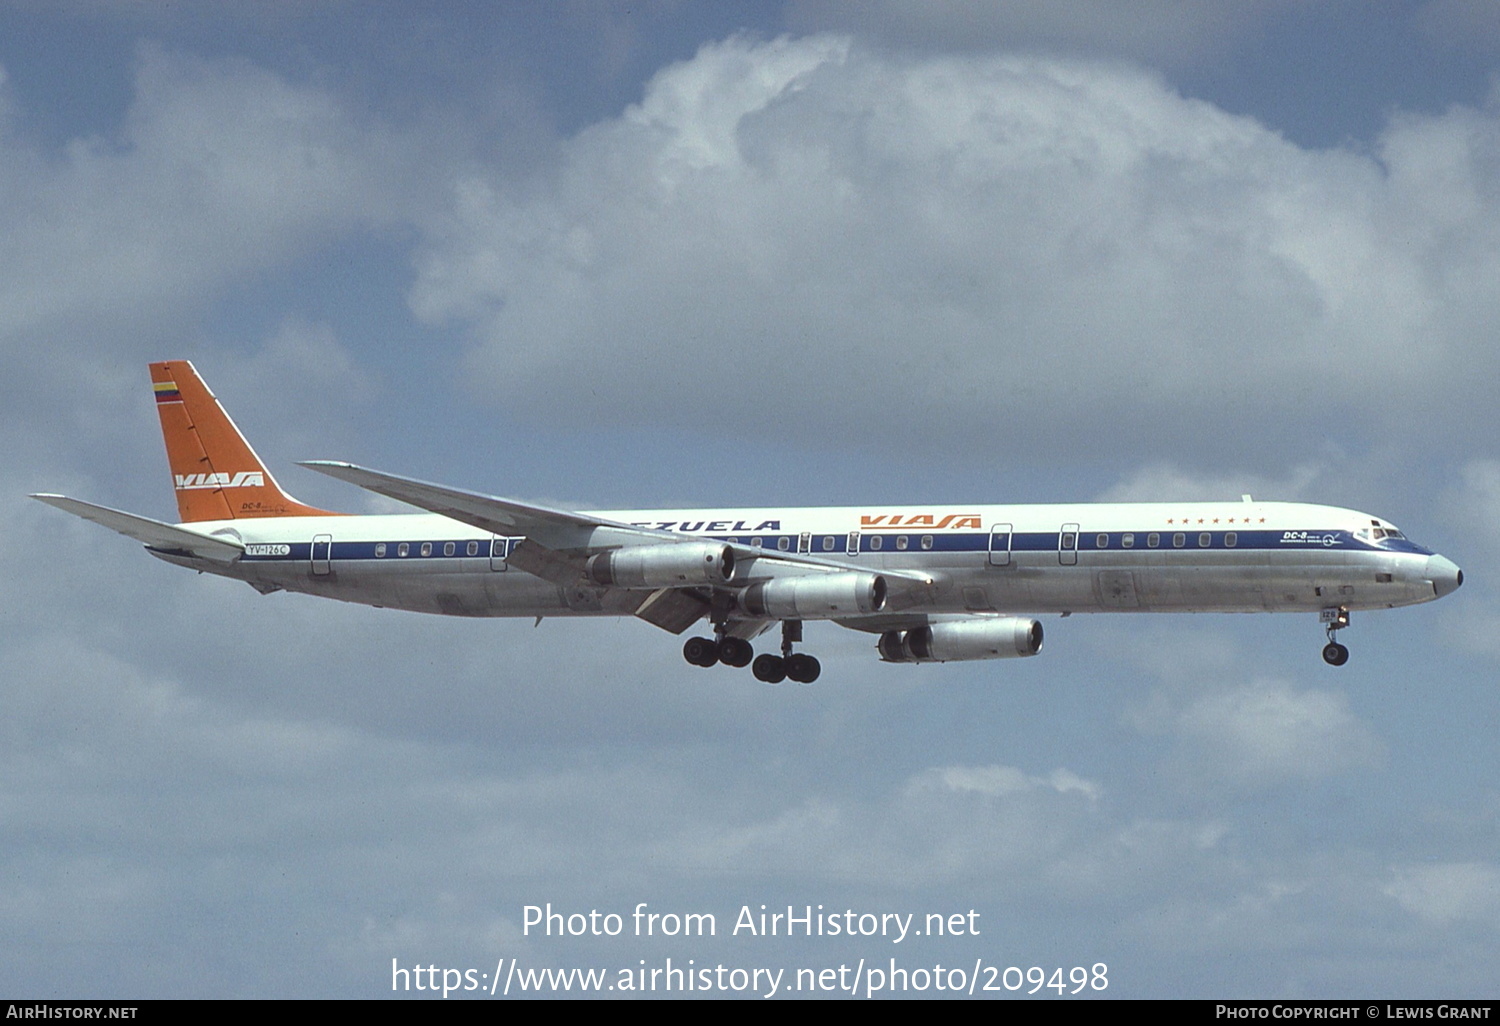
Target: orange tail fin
(215, 473)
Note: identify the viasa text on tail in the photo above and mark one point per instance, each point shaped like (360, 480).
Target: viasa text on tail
(932, 583)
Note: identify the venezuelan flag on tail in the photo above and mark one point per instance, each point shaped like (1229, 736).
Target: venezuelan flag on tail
(215, 473)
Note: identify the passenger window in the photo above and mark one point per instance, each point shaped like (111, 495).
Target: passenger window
(876, 543)
(757, 542)
(427, 548)
(1153, 540)
(1179, 540)
(1204, 540)
(1231, 540)
(402, 549)
(926, 541)
(901, 542)
(1068, 541)
(1101, 541)
(449, 548)
(472, 548)
(783, 543)
(828, 544)
(1127, 541)
(380, 550)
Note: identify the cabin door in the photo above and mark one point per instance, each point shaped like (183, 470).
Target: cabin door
(1000, 535)
(1067, 545)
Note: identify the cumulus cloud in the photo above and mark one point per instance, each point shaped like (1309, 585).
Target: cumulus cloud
(803, 235)
(1165, 32)
(795, 238)
(1467, 509)
(220, 167)
(1448, 892)
(1260, 734)
(113, 244)
(1163, 482)
(1469, 504)
(974, 825)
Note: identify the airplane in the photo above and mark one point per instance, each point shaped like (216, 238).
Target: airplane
(932, 583)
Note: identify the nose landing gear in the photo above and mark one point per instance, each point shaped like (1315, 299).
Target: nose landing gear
(1336, 619)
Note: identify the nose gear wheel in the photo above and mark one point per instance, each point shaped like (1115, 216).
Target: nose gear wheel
(1336, 619)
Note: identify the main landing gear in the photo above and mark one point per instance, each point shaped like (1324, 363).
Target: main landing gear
(772, 669)
(797, 666)
(1336, 620)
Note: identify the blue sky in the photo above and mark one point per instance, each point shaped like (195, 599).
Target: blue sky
(625, 255)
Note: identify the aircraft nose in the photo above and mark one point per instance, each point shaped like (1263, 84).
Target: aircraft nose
(1444, 575)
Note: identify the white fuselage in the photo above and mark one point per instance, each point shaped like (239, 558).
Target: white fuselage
(1129, 557)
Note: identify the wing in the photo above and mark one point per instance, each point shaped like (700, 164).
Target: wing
(152, 533)
(562, 530)
(555, 528)
(559, 542)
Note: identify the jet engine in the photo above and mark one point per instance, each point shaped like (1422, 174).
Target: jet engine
(663, 566)
(816, 596)
(1002, 637)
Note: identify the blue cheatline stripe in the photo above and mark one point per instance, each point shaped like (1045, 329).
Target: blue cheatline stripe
(1033, 541)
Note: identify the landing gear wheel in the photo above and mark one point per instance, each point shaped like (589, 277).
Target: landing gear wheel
(701, 651)
(803, 669)
(735, 652)
(1335, 654)
(1335, 618)
(769, 668)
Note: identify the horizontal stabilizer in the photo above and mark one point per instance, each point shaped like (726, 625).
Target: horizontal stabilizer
(152, 533)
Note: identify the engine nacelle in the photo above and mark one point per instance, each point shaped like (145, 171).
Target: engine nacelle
(816, 596)
(663, 566)
(1002, 637)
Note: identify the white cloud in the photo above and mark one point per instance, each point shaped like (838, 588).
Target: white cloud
(220, 168)
(1165, 32)
(1467, 508)
(1469, 504)
(1163, 482)
(803, 236)
(1256, 735)
(1447, 892)
(1268, 730)
(202, 786)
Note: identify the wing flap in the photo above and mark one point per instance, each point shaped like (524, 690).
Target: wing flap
(548, 564)
(673, 609)
(152, 533)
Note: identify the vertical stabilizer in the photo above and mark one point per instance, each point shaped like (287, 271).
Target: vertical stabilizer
(215, 473)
